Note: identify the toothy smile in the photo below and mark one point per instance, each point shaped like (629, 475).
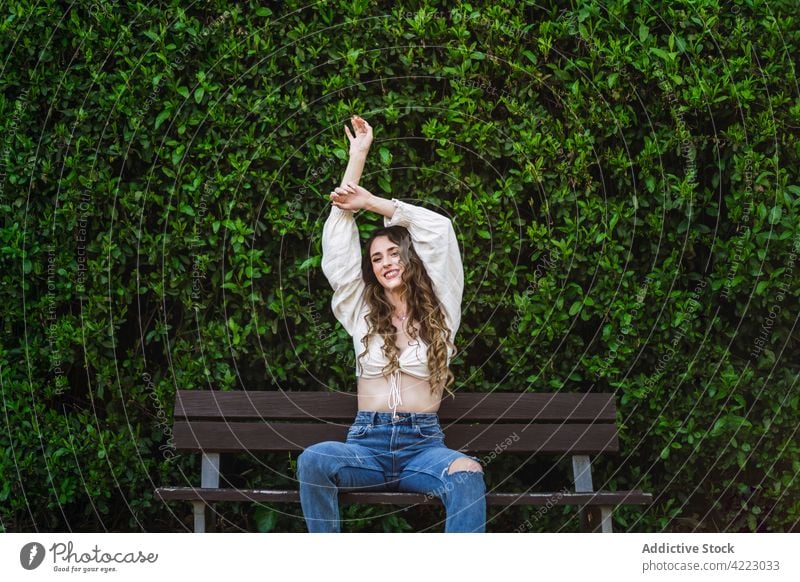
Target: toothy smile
(391, 274)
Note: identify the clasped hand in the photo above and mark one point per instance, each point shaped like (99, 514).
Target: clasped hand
(351, 197)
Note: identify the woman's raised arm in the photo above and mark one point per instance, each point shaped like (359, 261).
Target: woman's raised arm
(341, 246)
(341, 264)
(436, 244)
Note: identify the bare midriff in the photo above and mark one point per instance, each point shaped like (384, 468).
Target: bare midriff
(373, 393)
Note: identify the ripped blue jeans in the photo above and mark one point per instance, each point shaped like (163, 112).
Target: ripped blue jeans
(380, 454)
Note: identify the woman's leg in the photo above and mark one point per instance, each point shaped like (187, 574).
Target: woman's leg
(453, 477)
(324, 468)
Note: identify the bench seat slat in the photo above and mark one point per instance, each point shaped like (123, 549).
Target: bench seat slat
(219, 437)
(505, 499)
(342, 406)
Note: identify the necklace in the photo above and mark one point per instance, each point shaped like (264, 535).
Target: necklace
(403, 318)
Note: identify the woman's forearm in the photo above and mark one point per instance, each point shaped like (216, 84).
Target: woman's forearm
(355, 166)
(380, 206)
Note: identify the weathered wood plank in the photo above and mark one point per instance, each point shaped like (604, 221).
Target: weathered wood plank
(495, 406)
(505, 499)
(219, 437)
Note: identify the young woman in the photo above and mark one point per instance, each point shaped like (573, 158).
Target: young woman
(401, 303)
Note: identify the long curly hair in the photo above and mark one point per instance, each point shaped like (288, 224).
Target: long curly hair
(422, 306)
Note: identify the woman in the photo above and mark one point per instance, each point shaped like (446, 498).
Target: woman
(401, 304)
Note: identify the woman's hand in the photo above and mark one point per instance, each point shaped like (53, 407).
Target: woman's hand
(351, 197)
(359, 144)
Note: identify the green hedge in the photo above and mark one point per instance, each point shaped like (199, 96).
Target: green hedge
(623, 181)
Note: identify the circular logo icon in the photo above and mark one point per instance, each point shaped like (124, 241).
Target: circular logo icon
(31, 555)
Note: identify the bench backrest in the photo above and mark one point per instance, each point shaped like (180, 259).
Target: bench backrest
(215, 422)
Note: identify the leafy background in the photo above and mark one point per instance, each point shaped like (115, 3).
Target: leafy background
(623, 181)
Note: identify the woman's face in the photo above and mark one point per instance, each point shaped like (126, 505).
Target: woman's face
(386, 264)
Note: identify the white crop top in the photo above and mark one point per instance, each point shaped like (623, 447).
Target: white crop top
(434, 241)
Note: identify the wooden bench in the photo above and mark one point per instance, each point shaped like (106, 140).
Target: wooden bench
(212, 422)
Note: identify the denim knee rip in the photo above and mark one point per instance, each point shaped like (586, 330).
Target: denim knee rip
(447, 469)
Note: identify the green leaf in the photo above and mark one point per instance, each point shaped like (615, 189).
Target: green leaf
(386, 155)
(198, 94)
(775, 215)
(575, 308)
(663, 55)
(310, 262)
(644, 32)
(183, 91)
(162, 116)
(265, 519)
(178, 154)
(385, 184)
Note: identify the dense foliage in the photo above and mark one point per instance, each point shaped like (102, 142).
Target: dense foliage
(623, 181)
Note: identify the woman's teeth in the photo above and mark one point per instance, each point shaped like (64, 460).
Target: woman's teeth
(391, 274)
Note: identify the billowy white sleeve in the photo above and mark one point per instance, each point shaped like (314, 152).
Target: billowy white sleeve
(341, 264)
(435, 242)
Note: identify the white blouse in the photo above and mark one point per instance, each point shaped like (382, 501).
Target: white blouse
(434, 241)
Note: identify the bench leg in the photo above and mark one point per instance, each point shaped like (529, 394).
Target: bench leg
(582, 477)
(596, 518)
(605, 519)
(582, 473)
(209, 479)
(199, 516)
